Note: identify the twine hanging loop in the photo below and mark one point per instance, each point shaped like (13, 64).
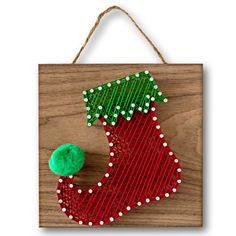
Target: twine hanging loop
(97, 22)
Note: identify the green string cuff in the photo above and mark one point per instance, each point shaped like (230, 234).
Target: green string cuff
(122, 96)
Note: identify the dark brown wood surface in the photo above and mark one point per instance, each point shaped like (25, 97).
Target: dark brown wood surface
(62, 119)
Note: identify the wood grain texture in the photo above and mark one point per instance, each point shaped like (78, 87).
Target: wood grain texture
(62, 119)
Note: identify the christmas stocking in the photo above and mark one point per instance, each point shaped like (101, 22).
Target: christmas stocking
(141, 166)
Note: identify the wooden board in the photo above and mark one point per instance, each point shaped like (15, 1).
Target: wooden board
(62, 119)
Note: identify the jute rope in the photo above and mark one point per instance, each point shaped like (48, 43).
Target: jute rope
(100, 16)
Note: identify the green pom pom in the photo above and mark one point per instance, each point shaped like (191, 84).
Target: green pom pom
(66, 160)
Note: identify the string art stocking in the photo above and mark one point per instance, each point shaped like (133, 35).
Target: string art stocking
(141, 167)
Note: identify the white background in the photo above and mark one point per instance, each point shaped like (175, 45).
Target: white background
(52, 31)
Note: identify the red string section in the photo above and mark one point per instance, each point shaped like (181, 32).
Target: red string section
(141, 168)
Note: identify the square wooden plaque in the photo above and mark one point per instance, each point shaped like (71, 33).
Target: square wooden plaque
(62, 119)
